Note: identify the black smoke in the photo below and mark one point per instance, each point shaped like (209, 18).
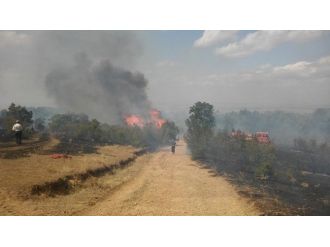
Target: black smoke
(99, 89)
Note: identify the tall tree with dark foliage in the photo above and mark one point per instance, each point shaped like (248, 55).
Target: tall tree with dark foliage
(201, 123)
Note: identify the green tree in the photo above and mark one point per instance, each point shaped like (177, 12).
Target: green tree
(201, 123)
(20, 113)
(76, 127)
(8, 118)
(169, 132)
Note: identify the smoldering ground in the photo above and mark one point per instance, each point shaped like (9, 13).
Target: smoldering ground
(98, 89)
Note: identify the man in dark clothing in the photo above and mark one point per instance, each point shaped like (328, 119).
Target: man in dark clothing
(173, 147)
(18, 128)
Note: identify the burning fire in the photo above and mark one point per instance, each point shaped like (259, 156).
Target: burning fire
(134, 120)
(155, 119)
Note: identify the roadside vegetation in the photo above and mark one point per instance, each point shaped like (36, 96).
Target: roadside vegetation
(8, 118)
(284, 127)
(298, 175)
(79, 129)
(65, 161)
(77, 132)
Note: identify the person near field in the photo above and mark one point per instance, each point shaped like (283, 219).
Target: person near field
(18, 129)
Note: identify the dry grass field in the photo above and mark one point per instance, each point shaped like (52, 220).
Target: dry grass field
(36, 167)
(157, 183)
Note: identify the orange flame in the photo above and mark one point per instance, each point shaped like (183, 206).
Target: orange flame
(134, 120)
(155, 119)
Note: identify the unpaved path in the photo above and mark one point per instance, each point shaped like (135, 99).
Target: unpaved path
(170, 184)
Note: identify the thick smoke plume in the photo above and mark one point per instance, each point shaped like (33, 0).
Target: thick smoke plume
(99, 89)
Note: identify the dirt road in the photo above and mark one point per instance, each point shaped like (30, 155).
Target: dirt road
(168, 184)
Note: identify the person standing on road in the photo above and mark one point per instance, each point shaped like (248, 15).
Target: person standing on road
(18, 129)
(173, 147)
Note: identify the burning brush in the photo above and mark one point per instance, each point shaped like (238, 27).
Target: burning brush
(154, 119)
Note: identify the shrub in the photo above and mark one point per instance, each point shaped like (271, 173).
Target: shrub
(78, 128)
(8, 118)
(264, 170)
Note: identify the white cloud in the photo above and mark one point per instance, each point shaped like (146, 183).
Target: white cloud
(8, 38)
(310, 70)
(298, 67)
(297, 86)
(315, 70)
(210, 38)
(264, 41)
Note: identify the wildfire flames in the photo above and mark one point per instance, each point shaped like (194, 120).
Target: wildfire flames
(155, 119)
(134, 120)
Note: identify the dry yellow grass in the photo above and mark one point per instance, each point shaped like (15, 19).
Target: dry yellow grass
(22, 173)
(159, 183)
(17, 176)
(170, 184)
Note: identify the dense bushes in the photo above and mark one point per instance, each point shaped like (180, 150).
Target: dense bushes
(248, 157)
(8, 118)
(77, 128)
(224, 152)
(283, 127)
(73, 128)
(297, 175)
(236, 155)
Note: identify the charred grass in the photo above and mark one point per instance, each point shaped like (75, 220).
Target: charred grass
(281, 196)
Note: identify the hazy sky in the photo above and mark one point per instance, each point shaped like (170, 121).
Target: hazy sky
(287, 70)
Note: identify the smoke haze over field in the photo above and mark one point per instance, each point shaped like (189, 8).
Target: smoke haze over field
(95, 72)
(26, 57)
(99, 90)
(79, 71)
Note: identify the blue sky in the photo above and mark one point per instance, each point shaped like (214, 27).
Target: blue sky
(187, 62)
(178, 46)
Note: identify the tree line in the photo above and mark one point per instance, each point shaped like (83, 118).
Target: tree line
(278, 169)
(283, 127)
(78, 128)
(72, 128)
(219, 148)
